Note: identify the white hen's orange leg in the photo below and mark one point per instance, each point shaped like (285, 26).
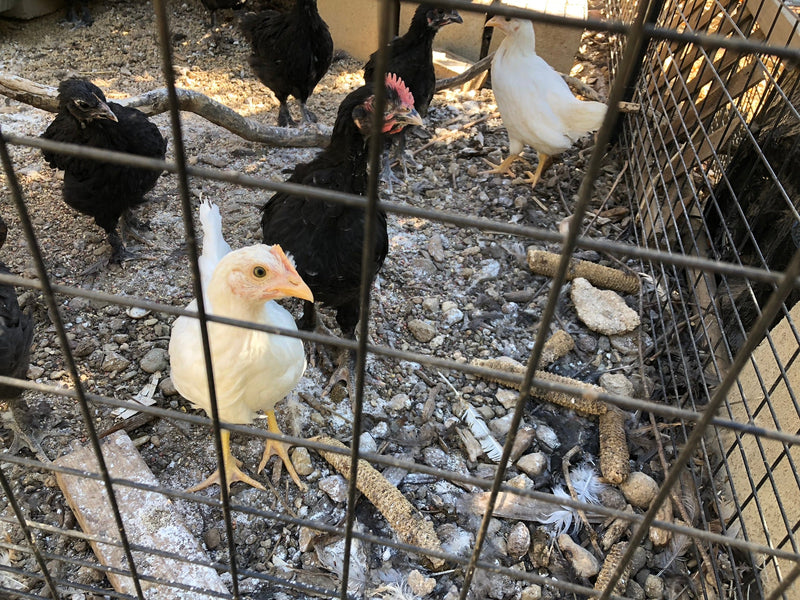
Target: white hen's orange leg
(232, 471)
(279, 449)
(504, 167)
(544, 163)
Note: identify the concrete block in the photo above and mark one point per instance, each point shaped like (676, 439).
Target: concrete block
(359, 35)
(30, 9)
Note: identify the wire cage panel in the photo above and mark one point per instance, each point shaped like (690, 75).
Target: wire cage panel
(710, 175)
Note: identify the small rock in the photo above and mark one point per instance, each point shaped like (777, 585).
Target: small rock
(134, 312)
(399, 402)
(533, 464)
(335, 487)
(367, 443)
(502, 425)
(654, 587)
(451, 313)
(212, 538)
(84, 348)
(519, 540)
(532, 592)
(156, 359)
(490, 269)
(435, 248)
(508, 398)
(422, 331)
(430, 305)
(616, 383)
(34, 372)
(586, 343)
(634, 591)
(301, 460)
(602, 311)
(419, 584)
(114, 361)
(547, 436)
(639, 489)
(626, 344)
(167, 387)
(583, 562)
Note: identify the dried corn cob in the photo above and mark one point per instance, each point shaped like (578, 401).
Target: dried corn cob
(609, 566)
(546, 263)
(614, 455)
(406, 521)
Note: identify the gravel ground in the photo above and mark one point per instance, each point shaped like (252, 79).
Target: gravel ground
(444, 291)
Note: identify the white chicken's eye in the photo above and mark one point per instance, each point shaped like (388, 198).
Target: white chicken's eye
(260, 272)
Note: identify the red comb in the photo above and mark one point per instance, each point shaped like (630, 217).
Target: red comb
(398, 85)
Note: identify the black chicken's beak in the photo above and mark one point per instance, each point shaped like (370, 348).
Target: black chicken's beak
(102, 111)
(447, 18)
(409, 118)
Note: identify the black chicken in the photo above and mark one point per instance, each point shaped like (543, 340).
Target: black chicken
(291, 52)
(326, 238)
(411, 59)
(16, 332)
(102, 190)
(78, 13)
(215, 5)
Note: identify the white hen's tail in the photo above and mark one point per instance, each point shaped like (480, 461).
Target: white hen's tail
(586, 116)
(214, 245)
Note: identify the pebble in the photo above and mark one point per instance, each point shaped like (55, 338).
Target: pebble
(626, 344)
(519, 540)
(422, 331)
(167, 387)
(490, 269)
(430, 305)
(451, 313)
(366, 443)
(113, 361)
(547, 436)
(533, 464)
(84, 348)
(335, 487)
(419, 584)
(616, 383)
(654, 587)
(212, 538)
(586, 343)
(532, 592)
(583, 562)
(301, 460)
(436, 248)
(34, 372)
(135, 312)
(603, 311)
(399, 402)
(508, 398)
(639, 489)
(157, 359)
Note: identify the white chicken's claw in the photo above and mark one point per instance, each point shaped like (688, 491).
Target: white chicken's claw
(279, 449)
(232, 471)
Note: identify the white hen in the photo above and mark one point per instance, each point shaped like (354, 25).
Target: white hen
(253, 370)
(535, 103)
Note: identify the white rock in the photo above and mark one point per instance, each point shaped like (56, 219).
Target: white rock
(583, 562)
(301, 460)
(519, 540)
(134, 312)
(602, 311)
(335, 486)
(532, 592)
(639, 489)
(547, 436)
(508, 398)
(616, 383)
(654, 587)
(422, 331)
(419, 584)
(366, 443)
(533, 464)
(490, 269)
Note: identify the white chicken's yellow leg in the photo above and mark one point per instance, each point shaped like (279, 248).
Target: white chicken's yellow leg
(279, 449)
(232, 471)
(504, 167)
(544, 163)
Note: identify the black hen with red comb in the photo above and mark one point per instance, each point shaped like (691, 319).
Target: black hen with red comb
(325, 238)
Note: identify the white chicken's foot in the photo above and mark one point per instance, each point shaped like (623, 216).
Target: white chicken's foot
(279, 449)
(232, 471)
(504, 168)
(544, 163)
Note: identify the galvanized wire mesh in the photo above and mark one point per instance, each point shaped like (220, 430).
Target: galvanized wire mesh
(715, 139)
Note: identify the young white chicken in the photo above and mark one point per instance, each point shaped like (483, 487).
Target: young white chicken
(535, 103)
(253, 370)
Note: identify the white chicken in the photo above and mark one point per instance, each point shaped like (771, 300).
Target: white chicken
(253, 370)
(536, 104)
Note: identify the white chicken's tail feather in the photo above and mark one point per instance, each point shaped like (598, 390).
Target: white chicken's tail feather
(214, 245)
(586, 116)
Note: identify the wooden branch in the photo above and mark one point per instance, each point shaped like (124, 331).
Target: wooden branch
(475, 70)
(156, 102)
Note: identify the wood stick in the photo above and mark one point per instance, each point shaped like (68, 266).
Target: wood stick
(156, 102)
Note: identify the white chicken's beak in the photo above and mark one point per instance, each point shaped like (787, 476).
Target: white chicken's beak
(496, 21)
(289, 282)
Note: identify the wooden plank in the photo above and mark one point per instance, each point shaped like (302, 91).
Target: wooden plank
(776, 21)
(150, 520)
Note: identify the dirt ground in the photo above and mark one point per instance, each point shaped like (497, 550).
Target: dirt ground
(473, 287)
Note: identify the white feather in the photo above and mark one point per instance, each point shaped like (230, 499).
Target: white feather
(565, 518)
(490, 446)
(586, 483)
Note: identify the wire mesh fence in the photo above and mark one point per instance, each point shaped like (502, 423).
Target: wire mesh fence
(711, 233)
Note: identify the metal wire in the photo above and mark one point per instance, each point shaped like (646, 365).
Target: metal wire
(688, 347)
